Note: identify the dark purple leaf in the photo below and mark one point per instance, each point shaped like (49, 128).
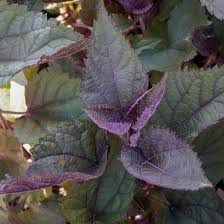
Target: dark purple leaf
(74, 151)
(144, 108)
(114, 87)
(110, 120)
(163, 159)
(140, 7)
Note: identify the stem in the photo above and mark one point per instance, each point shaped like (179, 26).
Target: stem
(125, 140)
(142, 24)
(162, 202)
(12, 112)
(2, 122)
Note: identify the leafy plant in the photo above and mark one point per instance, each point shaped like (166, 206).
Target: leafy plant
(113, 116)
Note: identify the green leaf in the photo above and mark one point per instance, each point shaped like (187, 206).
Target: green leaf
(200, 207)
(167, 59)
(107, 198)
(218, 27)
(35, 5)
(73, 150)
(185, 17)
(30, 130)
(166, 7)
(53, 94)
(210, 148)
(78, 206)
(50, 96)
(194, 100)
(115, 193)
(12, 160)
(121, 22)
(28, 38)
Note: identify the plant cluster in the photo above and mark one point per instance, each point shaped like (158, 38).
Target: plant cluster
(114, 116)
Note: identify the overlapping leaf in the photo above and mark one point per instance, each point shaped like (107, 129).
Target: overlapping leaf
(163, 159)
(210, 148)
(168, 58)
(174, 48)
(201, 207)
(73, 151)
(27, 38)
(192, 14)
(50, 96)
(193, 101)
(105, 199)
(115, 193)
(114, 87)
(78, 206)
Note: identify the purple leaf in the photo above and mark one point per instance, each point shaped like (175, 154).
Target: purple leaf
(110, 120)
(163, 159)
(114, 76)
(74, 151)
(145, 107)
(114, 88)
(140, 7)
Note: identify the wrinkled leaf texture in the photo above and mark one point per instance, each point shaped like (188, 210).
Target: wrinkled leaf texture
(193, 101)
(51, 96)
(164, 160)
(114, 87)
(73, 151)
(28, 38)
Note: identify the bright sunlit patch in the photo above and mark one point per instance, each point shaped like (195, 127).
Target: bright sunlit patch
(138, 217)
(62, 191)
(60, 18)
(29, 160)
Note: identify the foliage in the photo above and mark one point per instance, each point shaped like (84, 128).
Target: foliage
(112, 112)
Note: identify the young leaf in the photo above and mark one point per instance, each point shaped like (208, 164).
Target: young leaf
(215, 7)
(27, 38)
(114, 88)
(163, 159)
(184, 18)
(201, 207)
(12, 160)
(193, 101)
(73, 151)
(210, 148)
